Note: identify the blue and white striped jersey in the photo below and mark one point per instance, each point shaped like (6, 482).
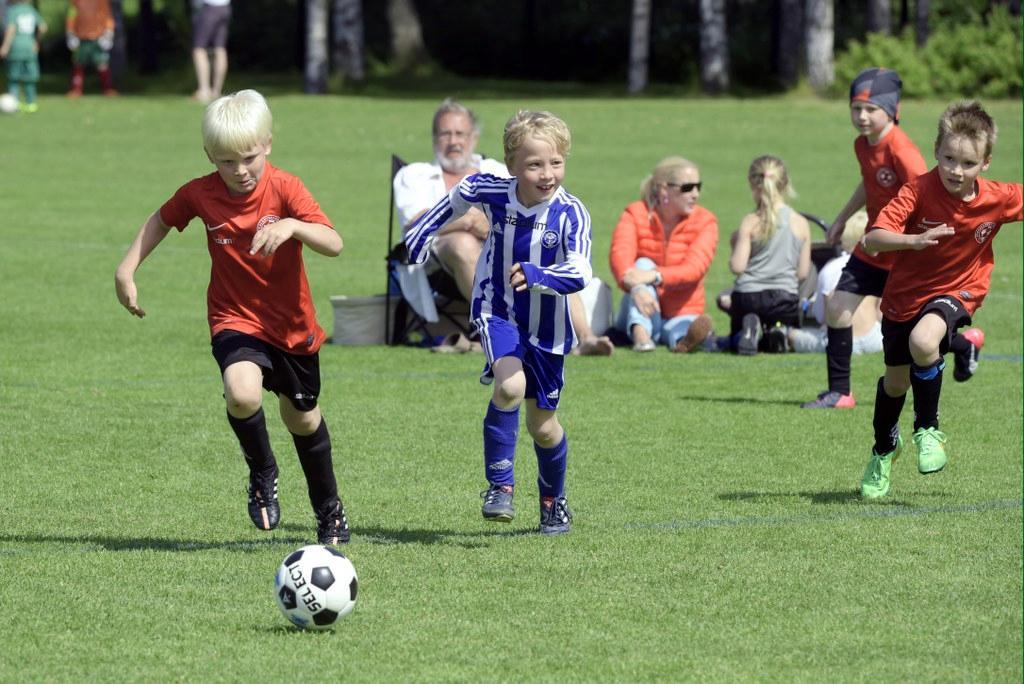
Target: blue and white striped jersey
(551, 241)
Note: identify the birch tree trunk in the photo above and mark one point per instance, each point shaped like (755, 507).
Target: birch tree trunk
(347, 20)
(639, 45)
(316, 46)
(714, 47)
(880, 16)
(820, 37)
(407, 48)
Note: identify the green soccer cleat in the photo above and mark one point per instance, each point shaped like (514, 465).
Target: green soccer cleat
(931, 450)
(875, 483)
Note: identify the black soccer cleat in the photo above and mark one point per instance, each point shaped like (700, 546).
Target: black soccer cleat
(332, 523)
(264, 509)
(555, 517)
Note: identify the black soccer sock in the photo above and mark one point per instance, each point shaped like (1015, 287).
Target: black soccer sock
(255, 443)
(314, 452)
(959, 344)
(887, 418)
(837, 358)
(927, 384)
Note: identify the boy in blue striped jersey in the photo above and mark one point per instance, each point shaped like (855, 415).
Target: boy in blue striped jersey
(537, 251)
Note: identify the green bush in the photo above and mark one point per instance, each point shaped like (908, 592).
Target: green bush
(980, 57)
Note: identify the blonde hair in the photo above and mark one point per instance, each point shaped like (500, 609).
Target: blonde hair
(543, 125)
(854, 231)
(667, 170)
(967, 119)
(237, 122)
(767, 175)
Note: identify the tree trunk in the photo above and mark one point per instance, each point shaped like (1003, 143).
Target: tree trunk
(316, 46)
(639, 45)
(820, 37)
(921, 10)
(118, 52)
(147, 37)
(347, 20)
(714, 47)
(789, 39)
(880, 16)
(407, 48)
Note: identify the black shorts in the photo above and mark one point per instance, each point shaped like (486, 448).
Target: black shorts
(896, 334)
(291, 375)
(861, 278)
(210, 26)
(771, 306)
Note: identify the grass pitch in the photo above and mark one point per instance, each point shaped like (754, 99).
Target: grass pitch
(718, 532)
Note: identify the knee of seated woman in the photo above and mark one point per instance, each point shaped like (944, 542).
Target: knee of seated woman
(646, 264)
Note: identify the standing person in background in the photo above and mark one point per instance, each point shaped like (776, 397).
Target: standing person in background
(20, 48)
(771, 253)
(89, 32)
(661, 250)
(211, 20)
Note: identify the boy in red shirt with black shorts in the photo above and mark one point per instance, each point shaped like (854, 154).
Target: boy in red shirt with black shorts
(888, 158)
(940, 226)
(261, 314)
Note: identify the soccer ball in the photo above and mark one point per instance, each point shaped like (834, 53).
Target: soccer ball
(8, 103)
(316, 586)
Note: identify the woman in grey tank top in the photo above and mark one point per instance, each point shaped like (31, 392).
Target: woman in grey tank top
(771, 254)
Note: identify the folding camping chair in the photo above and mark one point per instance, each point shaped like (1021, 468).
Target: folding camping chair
(419, 300)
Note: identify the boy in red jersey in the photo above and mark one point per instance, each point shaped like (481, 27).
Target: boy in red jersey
(888, 158)
(941, 226)
(261, 314)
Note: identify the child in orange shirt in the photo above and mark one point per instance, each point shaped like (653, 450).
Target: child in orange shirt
(888, 158)
(261, 315)
(89, 32)
(940, 226)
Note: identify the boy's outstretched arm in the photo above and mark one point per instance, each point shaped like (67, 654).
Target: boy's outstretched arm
(881, 240)
(153, 231)
(318, 237)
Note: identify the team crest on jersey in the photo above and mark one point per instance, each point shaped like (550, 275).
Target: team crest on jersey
(267, 220)
(982, 232)
(886, 177)
(549, 239)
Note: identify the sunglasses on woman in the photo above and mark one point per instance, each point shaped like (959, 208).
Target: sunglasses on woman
(685, 187)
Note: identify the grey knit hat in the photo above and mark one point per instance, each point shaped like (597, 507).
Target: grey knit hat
(880, 87)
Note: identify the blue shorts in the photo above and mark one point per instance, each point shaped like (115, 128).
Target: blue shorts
(544, 380)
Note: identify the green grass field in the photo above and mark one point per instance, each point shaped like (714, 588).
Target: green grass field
(718, 532)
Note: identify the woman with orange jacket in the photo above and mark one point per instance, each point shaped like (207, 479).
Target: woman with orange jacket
(661, 250)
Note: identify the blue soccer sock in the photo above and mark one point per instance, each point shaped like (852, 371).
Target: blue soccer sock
(501, 427)
(551, 468)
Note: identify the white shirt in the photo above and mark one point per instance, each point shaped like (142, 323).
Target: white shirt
(420, 185)
(828, 278)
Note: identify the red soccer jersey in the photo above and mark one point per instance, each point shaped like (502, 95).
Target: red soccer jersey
(266, 297)
(960, 265)
(884, 168)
